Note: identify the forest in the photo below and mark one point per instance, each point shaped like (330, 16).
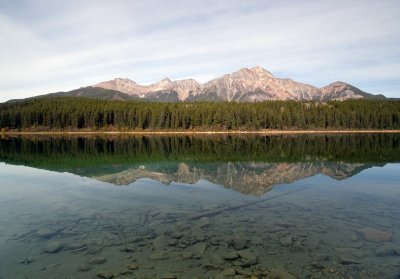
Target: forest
(73, 113)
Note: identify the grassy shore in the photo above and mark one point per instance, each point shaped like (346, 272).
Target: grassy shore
(168, 132)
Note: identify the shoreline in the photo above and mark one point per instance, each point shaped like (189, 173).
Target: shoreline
(260, 132)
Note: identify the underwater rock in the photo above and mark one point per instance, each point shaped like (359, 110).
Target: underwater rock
(97, 260)
(216, 260)
(213, 261)
(75, 246)
(203, 222)
(133, 266)
(53, 246)
(209, 264)
(26, 261)
(85, 267)
(158, 256)
(198, 249)
(375, 235)
(286, 241)
(247, 258)
(105, 275)
(230, 255)
(351, 252)
(241, 271)
(312, 242)
(239, 242)
(214, 241)
(162, 242)
(176, 235)
(187, 254)
(46, 232)
(386, 250)
(345, 259)
(281, 273)
(134, 239)
(93, 250)
(169, 276)
(229, 271)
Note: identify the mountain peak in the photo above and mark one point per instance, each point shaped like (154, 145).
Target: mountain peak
(166, 80)
(246, 84)
(260, 70)
(124, 85)
(339, 83)
(160, 85)
(254, 72)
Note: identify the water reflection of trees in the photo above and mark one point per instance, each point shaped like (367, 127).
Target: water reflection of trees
(71, 152)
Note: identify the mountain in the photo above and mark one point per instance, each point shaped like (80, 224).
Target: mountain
(163, 90)
(341, 91)
(245, 85)
(95, 92)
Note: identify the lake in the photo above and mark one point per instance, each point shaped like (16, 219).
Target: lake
(293, 206)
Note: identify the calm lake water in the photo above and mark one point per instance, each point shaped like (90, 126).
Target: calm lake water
(200, 207)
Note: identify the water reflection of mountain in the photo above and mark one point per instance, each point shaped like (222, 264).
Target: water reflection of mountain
(247, 178)
(251, 165)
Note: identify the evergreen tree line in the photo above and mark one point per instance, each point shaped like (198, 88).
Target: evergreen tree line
(82, 113)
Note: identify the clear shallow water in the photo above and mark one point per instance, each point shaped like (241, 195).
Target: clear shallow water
(300, 213)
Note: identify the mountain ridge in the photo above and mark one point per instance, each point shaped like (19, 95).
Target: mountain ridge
(253, 84)
(246, 84)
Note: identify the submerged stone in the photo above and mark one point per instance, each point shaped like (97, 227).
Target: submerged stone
(281, 273)
(46, 232)
(98, 260)
(231, 255)
(204, 222)
(229, 271)
(198, 248)
(106, 275)
(158, 256)
(312, 242)
(162, 242)
(187, 254)
(387, 250)
(247, 258)
(239, 242)
(286, 241)
(85, 267)
(344, 259)
(354, 252)
(133, 266)
(53, 246)
(169, 275)
(375, 235)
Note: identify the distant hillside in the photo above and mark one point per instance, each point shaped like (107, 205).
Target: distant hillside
(95, 93)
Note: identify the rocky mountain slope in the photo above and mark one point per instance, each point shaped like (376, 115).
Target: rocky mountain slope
(246, 84)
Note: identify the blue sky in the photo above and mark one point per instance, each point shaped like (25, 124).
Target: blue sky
(48, 46)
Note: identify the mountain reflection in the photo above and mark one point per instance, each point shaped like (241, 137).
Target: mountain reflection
(250, 165)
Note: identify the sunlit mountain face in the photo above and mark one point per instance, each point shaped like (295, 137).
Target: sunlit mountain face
(244, 85)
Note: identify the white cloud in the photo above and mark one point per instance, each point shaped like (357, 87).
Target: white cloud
(63, 45)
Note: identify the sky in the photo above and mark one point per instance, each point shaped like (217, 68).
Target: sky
(50, 46)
